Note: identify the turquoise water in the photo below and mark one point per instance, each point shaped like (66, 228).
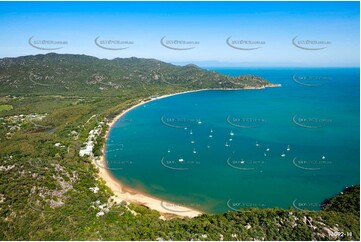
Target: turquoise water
(215, 151)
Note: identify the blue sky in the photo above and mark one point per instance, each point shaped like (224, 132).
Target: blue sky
(209, 24)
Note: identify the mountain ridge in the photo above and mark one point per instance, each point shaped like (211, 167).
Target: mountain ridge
(83, 74)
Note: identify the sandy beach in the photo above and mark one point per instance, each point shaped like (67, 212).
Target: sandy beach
(123, 193)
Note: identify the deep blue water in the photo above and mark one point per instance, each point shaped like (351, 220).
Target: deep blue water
(164, 147)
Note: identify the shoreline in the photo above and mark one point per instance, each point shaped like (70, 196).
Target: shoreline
(124, 193)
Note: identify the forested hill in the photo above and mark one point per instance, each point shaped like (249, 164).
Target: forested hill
(80, 74)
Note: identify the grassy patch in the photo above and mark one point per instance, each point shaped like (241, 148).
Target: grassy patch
(5, 107)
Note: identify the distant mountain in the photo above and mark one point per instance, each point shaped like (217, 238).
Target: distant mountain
(80, 74)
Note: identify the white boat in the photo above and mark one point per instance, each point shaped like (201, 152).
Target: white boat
(323, 157)
(191, 132)
(168, 151)
(231, 133)
(226, 144)
(288, 148)
(210, 136)
(267, 149)
(180, 160)
(211, 130)
(257, 144)
(194, 151)
(199, 122)
(283, 155)
(192, 141)
(230, 139)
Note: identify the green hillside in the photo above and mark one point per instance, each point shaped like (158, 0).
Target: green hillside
(62, 74)
(47, 191)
